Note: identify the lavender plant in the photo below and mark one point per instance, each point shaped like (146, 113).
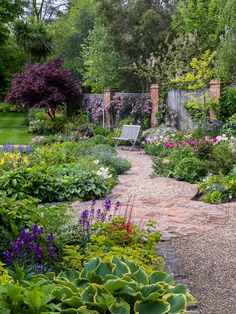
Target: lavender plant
(34, 250)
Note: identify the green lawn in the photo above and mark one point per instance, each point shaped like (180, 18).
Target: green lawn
(12, 128)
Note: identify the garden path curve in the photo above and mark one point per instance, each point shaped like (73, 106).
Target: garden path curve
(164, 200)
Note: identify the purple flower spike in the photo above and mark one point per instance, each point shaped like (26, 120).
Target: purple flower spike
(28, 149)
(32, 246)
(107, 204)
(52, 251)
(8, 257)
(50, 237)
(84, 215)
(39, 268)
(24, 235)
(17, 246)
(117, 205)
(38, 252)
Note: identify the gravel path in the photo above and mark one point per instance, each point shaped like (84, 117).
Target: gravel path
(209, 262)
(203, 234)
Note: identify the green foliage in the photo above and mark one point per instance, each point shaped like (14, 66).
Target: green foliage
(101, 62)
(133, 28)
(63, 182)
(34, 39)
(190, 169)
(116, 286)
(162, 168)
(30, 298)
(198, 16)
(201, 72)
(227, 106)
(20, 214)
(70, 31)
(5, 278)
(225, 67)
(222, 158)
(198, 78)
(218, 189)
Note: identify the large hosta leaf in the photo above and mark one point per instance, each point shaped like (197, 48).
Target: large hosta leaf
(148, 290)
(103, 297)
(114, 285)
(120, 267)
(161, 276)
(152, 307)
(119, 307)
(141, 277)
(132, 266)
(84, 310)
(73, 302)
(91, 265)
(177, 302)
(178, 289)
(103, 269)
(70, 275)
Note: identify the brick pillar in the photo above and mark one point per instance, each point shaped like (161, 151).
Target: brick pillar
(154, 101)
(215, 93)
(107, 97)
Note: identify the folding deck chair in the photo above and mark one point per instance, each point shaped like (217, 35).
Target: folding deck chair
(129, 133)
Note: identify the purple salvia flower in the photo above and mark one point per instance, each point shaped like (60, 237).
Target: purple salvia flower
(38, 252)
(50, 237)
(84, 215)
(8, 257)
(38, 268)
(117, 205)
(32, 246)
(108, 204)
(52, 251)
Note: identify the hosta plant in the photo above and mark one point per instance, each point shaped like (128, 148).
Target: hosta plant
(118, 286)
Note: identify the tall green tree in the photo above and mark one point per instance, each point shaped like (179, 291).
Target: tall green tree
(10, 55)
(102, 63)
(138, 28)
(225, 66)
(70, 31)
(34, 38)
(200, 17)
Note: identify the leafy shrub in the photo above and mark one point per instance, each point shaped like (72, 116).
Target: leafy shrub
(117, 286)
(46, 85)
(222, 158)
(56, 125)
(101, 131)
(156, 150)
(229, 128)
(55, 154)
(218, 189)
(55, 183)
(190, 169)
(37, 126)
(208, 128)
(162, 168)
(161, 131)
(20, 214)
(110, 231)
(227, 103)
(203, 149)
(5, 278)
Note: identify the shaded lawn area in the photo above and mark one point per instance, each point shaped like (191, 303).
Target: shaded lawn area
(12, 128)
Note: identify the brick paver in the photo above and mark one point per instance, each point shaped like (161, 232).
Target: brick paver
(164, 200)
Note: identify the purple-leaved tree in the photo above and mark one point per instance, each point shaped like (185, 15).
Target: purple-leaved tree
(45, 86)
